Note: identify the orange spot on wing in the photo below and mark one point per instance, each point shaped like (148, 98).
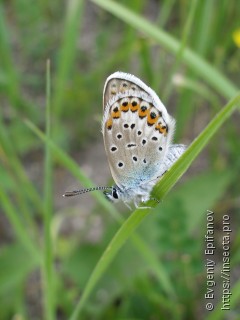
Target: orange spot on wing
(116, 115)
(109, 124)
(152, 120)
(162, 129)
(125, 106)
(142, 113)
(134, 107)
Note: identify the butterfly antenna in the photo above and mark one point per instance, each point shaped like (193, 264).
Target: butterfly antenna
(78, 192)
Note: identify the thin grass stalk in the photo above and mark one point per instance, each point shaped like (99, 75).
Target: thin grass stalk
(12, 83)
(48, 290)
(183, 44)
(67, 51)
(165, 12)
(203, 43)
(18, 226)
(19, 176)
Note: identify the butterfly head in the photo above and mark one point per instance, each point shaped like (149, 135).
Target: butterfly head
(114, 195)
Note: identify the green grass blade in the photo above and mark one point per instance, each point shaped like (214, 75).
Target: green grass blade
(161, 189)
(67, 51)
(17, 225)
(12, 85)
(17, 168)
(146, 252)
(165, 12)
(208, 73)
(186, 32)
(117, 242)
(25, 197)
(48, 211)
(203, 27)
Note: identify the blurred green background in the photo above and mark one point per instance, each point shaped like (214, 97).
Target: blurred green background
(189, 53)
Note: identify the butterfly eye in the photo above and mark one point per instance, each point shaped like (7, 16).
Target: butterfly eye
(114, 193)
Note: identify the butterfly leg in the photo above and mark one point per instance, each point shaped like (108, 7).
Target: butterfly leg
(126, 204)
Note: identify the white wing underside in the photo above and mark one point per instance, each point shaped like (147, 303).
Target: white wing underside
(137, 132)
(174, 152)
(136, 157)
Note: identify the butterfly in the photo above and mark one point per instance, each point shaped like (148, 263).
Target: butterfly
(137, 133)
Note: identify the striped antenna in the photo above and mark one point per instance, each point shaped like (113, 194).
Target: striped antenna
(77, 192)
